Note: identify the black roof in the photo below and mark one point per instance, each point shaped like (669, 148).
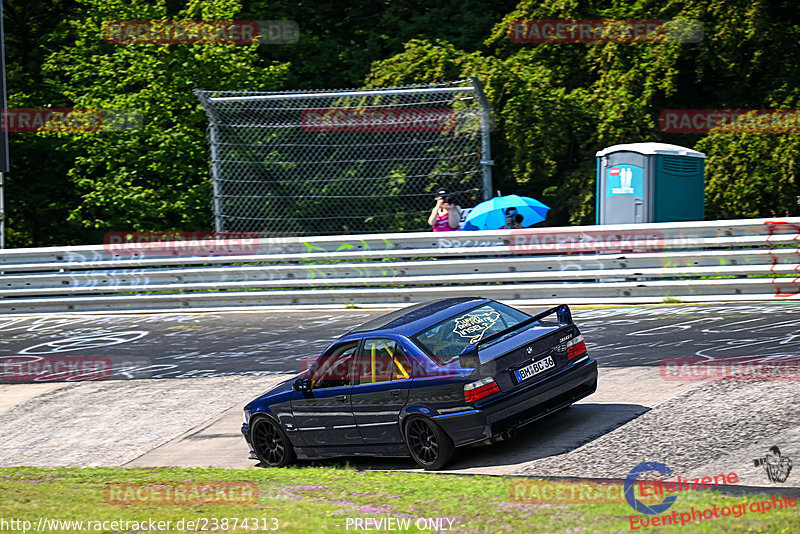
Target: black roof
(408, 321)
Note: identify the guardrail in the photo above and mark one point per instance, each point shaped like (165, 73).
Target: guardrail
(752, 259)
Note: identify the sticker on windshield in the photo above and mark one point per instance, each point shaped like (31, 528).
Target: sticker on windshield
(474, 325)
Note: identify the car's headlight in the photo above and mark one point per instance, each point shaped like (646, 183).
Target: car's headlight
(246, 416)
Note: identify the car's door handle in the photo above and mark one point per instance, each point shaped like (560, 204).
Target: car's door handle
(342, 398)
(395, 394)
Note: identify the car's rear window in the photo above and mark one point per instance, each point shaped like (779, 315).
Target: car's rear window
(445, 340)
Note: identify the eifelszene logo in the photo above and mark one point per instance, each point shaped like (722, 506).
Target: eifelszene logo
(777, 467)
(630, 482)
(653, 488)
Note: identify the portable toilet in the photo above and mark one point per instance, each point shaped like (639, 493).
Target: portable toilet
(649, 182)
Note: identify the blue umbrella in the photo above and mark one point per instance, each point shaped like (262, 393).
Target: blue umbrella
(491, 214)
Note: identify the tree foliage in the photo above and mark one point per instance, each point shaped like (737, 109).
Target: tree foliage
(554, 105)
(38, 197)
(154, 177)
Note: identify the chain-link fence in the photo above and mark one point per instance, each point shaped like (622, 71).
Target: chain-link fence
(345, 161)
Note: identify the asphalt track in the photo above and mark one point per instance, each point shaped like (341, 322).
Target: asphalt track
(178, 383)
(195, 345)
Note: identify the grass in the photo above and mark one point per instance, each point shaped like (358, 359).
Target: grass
(322, 499)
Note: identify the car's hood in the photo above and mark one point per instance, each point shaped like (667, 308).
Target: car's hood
(280, 389)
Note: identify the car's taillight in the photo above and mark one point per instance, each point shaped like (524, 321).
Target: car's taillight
(482, 388)
(575, 347)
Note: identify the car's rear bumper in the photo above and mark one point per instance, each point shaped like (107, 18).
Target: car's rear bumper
(520, 408)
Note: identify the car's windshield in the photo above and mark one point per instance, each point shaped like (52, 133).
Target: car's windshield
(445, 340)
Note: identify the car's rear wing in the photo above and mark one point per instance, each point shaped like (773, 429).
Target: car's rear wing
(469, 356)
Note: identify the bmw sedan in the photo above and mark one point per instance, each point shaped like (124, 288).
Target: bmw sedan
(423, 381)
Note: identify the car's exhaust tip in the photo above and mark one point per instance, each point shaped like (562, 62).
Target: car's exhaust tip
(509, 434)
(504, 435)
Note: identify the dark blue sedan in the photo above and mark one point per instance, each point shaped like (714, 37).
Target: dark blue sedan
(422, 381)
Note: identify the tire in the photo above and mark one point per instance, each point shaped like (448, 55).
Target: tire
(270, 443)
(430, 447)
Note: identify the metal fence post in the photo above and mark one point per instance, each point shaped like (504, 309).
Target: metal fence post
(214, 162)
(486, 147)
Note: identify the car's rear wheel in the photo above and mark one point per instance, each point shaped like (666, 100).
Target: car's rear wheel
(270, 443)
(430, 447)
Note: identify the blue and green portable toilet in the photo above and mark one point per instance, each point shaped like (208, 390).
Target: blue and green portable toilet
(649, 182)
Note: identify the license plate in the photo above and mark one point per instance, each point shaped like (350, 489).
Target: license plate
(535, 368)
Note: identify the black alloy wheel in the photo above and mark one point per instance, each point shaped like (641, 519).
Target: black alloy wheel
(271, 444)
(430, 447)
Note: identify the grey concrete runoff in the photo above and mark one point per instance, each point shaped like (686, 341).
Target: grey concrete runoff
(11, 395)
(112, 423)
(196, 422)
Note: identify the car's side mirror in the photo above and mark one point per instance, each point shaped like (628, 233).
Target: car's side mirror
(302, 384)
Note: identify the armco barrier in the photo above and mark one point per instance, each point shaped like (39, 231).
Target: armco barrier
(753, 259)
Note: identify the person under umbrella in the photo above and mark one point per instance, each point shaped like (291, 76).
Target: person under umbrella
(513, 219)
(492, 214)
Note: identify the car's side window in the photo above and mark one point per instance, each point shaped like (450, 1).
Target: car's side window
(382, 360)
(334, 370)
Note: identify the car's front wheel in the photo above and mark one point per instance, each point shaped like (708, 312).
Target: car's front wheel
(428, 444)
(270, 442)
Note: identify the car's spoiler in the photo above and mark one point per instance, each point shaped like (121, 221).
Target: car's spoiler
(469, 356)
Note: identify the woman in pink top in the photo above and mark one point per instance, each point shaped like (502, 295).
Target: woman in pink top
(445, 215)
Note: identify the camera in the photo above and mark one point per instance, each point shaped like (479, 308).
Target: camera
(444, 195)
(774, 451)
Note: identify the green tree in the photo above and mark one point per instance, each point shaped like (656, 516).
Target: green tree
(154, 177)
(555, 105)
(339, 40)
(38, 197)
(746, 61)
(752, 175)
